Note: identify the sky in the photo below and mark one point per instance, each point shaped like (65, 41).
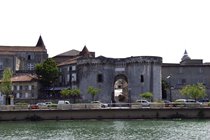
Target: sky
(112, 28)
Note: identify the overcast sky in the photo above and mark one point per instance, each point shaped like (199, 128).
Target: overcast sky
(112, 28)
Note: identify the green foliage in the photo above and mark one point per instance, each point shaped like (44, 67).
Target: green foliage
(165, 85)
(75, 92)
(194, 91)
(66, 92)
(147, 95)
(6, 83)
(70, 93)
(47, 72)
(93, 91)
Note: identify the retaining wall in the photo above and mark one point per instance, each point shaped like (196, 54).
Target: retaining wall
(144, 113)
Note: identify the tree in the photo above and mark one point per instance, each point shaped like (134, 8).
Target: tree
(165, 87)
(147, 95)
(65, 92)
(93, 91)
(47, 72)
(74, 93)
(6, 84)
(194, 91)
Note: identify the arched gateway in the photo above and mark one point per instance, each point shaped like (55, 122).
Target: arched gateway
(133, 75)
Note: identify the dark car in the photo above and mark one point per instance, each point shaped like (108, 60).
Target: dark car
(204, 100)
(33, 106)
(167, 103)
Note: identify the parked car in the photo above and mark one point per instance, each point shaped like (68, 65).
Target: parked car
(103, 105)
(50, 104)
(185, 102)
(41, 104)
(62, 102)
(167, 103)
(144, 103)
(33, 106)
(204, 100)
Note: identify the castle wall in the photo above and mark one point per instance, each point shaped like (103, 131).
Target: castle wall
(133, 68)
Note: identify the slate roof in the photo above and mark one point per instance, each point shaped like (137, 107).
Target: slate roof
(69, 61)
(40, 47)
(23, 78)
(69, 53)
(21, 49)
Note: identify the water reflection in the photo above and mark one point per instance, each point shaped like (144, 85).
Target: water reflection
(106, 130)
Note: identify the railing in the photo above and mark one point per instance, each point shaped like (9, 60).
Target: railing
(87, 106)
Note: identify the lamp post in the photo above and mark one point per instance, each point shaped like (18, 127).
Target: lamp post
(169, 78)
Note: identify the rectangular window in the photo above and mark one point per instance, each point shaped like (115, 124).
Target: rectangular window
(73, 68)
(60, 79)
(29, 87)
(179, 82)
(26, 87)
(181, 70)
(73, 77)
(18, 87)
(14, 87)
(100, 78)
(32, 94)
(183, 81)
(1, 66)
(29, 57)
(30, 66)
(20, 95)
(21, 88)
(26, 95)
(17, 95)
(32, 87)
(142, 78)
(68, 77)
(200, 70)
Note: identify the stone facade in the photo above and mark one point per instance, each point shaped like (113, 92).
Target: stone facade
(22, 58)
(68, 67)
(188, 71)
(142, 73)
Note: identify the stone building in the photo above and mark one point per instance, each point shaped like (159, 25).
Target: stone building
(25, 87)
(22, 58)
(188, 71)
(61, 59)
(68, 67)
(141, 74)
(133, 75)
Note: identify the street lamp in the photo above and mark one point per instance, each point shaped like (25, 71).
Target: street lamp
(169, 78)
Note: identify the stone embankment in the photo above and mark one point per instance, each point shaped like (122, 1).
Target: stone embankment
(90, 111)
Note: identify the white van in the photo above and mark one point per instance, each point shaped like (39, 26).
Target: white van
(62, 102)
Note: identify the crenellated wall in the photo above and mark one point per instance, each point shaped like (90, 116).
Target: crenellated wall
(132, 68)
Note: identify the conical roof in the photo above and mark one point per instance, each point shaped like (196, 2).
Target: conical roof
(85, 52)
(40, 42)
(185, 56)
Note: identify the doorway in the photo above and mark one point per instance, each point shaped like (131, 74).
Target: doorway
(120, 89)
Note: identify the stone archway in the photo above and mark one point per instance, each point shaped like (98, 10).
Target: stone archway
(120, 94)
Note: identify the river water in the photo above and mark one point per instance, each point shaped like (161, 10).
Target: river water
(106, 130)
